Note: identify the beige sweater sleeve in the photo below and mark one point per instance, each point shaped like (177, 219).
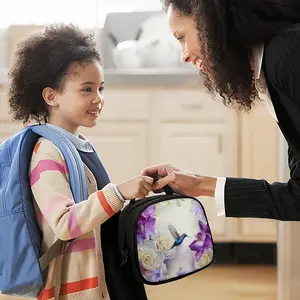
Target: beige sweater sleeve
(50, 186)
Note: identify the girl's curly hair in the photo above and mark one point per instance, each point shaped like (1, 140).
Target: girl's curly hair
(228, 32)
(42, 60)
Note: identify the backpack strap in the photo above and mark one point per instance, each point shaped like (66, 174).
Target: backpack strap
(72, 157)
(78, 188)
(50, 254)
(56, 250)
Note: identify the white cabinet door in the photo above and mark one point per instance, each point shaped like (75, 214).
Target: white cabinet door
(122, 147)
(122, 136)
(259, 150)
(197, 147)
(199, 134)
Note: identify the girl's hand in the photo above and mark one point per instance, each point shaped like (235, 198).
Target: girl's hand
(137, 187)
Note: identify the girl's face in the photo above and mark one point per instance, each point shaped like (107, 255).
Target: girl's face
(185, 31)
(81, 101)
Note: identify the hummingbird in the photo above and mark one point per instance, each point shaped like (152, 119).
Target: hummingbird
(178, 238)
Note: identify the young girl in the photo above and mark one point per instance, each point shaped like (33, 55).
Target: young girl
(57, 78)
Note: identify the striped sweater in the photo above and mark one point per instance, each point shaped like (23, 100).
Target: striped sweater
(82, 275)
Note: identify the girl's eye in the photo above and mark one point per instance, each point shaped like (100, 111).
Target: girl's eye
(88, 90)
(101, 89)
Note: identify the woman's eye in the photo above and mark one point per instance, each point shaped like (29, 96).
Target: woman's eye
(101, 89)
(88, 90)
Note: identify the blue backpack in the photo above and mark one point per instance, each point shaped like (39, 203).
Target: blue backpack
(20, 238)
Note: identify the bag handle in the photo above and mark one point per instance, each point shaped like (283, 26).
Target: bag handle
(167, 189)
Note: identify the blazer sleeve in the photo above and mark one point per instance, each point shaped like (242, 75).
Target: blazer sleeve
(259, 198)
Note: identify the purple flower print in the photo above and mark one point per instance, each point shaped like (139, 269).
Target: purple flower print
(146, 224)
(197, 210)
(158, 275)
(180, 272)
(203, 242)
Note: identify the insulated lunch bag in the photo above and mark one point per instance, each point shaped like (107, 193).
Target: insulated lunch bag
(165, 237)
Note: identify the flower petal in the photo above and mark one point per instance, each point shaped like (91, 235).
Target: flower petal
(203, 228)
(149, 212)
(199, 254)
(207, 242)
(196, 245)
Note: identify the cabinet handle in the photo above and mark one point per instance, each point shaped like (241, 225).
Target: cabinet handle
(192, 106)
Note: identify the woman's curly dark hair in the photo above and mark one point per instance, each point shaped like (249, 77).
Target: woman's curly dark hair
(43, 60)
(228, 31)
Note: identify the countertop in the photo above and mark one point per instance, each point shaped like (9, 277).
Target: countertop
(152, 77)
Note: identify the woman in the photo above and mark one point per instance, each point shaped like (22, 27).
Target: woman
(243, 47)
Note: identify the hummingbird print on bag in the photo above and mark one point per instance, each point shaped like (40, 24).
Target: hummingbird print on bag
(178, 239)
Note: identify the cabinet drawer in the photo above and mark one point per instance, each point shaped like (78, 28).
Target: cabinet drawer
(195, 105)
(126, 105)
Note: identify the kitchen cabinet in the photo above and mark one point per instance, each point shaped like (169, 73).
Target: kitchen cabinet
(185, 127)
(7, 127)
(193, 134)
(259, 159)
(122, 136)
(182, 125)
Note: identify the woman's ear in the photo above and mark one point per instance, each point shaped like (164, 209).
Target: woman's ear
(49, 95)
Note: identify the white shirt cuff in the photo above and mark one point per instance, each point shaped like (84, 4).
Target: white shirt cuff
(118, 193)
(220, 196)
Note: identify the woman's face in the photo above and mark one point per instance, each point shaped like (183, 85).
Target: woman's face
(185, 31)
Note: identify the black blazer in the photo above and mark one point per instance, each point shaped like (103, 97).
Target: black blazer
(258, 198)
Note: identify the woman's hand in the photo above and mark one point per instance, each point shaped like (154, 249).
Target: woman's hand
(181, 181)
